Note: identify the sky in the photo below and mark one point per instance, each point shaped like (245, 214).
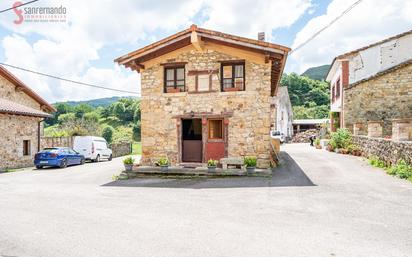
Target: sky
(83, 46)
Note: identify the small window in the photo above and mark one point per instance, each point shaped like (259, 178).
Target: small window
(233, 77)
(203, 82)
(215, 129)
(174, 79)
(338, 88)
(26, 147)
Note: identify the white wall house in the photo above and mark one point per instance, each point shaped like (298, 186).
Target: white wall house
(284, 113)
(361, 64)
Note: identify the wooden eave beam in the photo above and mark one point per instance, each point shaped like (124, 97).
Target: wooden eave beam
(196, 41)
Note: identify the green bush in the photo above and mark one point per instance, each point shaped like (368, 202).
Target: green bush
(107, 133)
(376, 162)
(250, 161)
(342, 138)
(317, 141)
(401, 169)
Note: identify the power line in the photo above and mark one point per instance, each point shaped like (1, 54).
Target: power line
(327, 26)
(11, 8)
(69, 80)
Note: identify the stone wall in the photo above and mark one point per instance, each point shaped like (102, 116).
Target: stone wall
(8, 91)
(13, 130)
(47, 142)
(384, 98)
(385, 149)
(248, 127)
(121, 149)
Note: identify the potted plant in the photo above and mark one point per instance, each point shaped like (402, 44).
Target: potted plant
(163, 163)
(250, 163)
(317, 143)
(128, 163)
(211, 165)
(173, 90)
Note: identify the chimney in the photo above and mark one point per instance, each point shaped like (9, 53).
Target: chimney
(261, 36)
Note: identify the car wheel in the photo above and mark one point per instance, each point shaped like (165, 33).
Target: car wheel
(82, 161)
(63, 163)
(97, 158)
(39, 167)
(110, 158)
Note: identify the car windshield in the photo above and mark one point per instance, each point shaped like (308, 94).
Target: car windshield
(275, 133)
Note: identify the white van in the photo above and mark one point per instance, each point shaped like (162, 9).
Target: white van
(93, 148)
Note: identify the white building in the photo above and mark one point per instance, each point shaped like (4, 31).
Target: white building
(284, 113)
(362, 64)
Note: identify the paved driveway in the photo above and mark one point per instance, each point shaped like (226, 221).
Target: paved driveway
(317, 204)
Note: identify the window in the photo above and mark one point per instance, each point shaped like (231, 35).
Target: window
(174, 79)
(338, 88)
(333, 93)
(233, 76)
(215, 129)
(26, 147)
(203, 82)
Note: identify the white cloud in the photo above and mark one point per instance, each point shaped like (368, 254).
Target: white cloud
(249, 17)
(370, 21)
(70, 49)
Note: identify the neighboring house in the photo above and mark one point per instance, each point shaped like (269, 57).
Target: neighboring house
(373, 83)
(206, 95)
(306, 124)
(21, 114)
(283, 113)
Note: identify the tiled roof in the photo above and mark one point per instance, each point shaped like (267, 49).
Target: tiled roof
(10, 107)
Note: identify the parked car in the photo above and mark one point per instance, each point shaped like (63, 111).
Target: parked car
(58, 157)
(278, 135)
(93, 148)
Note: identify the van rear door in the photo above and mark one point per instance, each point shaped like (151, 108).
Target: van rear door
(83, 146)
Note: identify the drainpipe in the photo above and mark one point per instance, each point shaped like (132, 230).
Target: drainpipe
(38, 134)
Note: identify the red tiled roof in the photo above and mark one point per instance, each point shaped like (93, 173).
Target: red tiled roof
(10, 107)
(19, 84)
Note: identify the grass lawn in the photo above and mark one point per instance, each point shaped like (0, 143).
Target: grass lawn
(136, 148)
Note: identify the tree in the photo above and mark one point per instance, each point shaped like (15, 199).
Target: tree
(107, 133)
(137, 132)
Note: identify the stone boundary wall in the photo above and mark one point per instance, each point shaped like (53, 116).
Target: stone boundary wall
(118, 149)
(121, 149)
(386, 150)
(47, 142)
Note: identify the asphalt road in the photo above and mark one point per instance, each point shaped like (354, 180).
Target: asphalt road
(317, 204)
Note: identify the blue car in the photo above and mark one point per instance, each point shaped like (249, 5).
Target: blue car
(58, 157)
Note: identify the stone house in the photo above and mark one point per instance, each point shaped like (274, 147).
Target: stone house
(372, 84)
(21, 114)
(206, 95)
(283, 113)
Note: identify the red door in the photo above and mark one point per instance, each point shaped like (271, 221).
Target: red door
(215, 143)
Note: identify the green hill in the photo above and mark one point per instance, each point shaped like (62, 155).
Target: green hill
(317, 73)
(103, 102)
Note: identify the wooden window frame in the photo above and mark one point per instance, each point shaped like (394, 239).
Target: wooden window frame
(338, 85)
(233, 64)
(26, 147)
(222, 131)
(175, 86)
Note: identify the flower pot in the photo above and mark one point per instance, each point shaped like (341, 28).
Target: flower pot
(250, 170)
(211, 168)
(318, 147)
(173, 90)
(231, 89)
(164, 168)
(128, 167)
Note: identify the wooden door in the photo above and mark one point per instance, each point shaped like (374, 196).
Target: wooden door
(192, 144)
(216, 139)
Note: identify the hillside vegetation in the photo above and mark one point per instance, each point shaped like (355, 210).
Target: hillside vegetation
(317, 73)
(309, 97)
(119, 121)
